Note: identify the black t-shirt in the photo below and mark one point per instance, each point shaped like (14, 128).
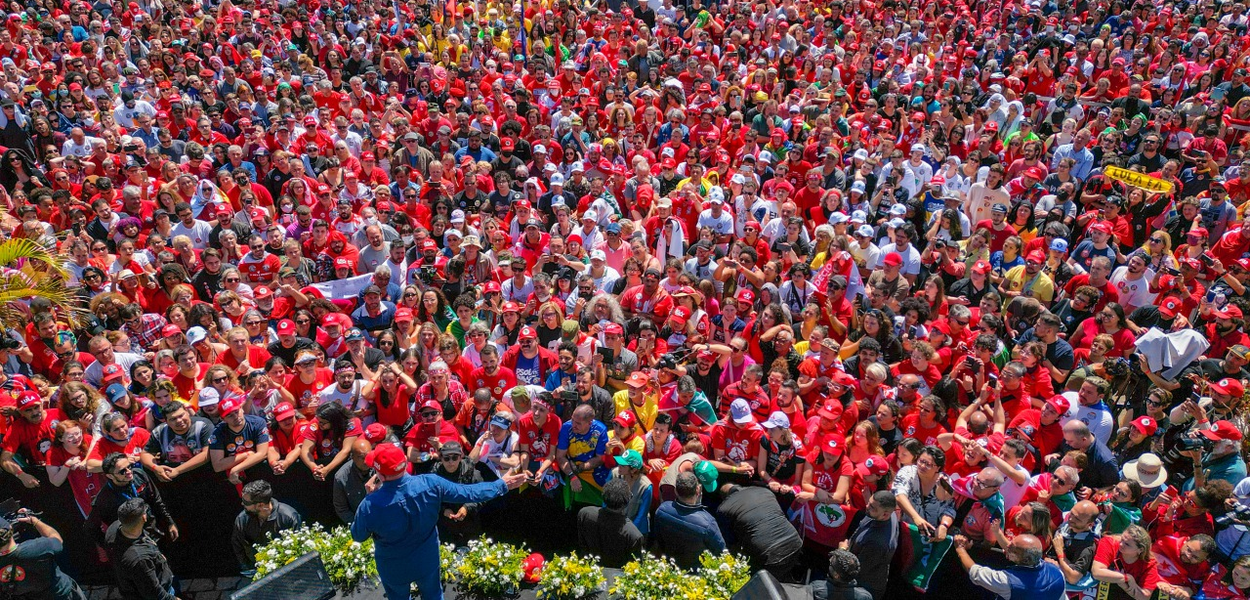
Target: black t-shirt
(889, 440)
(710, 383)
(965, 288)
(39, 577)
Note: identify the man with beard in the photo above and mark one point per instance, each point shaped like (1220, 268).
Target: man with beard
(647, 299)
(1028, 280)
(1132, 282)
(29, 437)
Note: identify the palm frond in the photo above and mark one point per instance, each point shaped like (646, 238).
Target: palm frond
(35, 271)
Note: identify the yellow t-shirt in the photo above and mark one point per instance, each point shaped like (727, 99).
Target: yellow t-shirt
(1042, 287)
(646, 413)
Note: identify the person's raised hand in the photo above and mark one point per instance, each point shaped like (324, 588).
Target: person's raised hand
(514, 480)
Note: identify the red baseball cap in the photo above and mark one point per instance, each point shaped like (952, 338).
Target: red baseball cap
(893, 259)
(262, 292)
(170, 330)
(28, 398)
(1146, 425)
(1169, 307)
(432, 405)
(832, 445)
(286, 326)
(1229, 386)
(387, 459)
(745, 296)
(528, 333)
(511, 306)
(403, 314)
(1231, 311)
(873, 465)
(113, 372)
(229, 404)
(1060, 404)
(283, 411)
(830, 410)
(626, 419)
(1222, 430)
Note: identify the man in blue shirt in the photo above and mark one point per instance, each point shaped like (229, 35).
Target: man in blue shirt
(374, 315)
(1078, 151)
(401, 515)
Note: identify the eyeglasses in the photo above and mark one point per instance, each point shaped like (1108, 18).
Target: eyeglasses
(451, 457)
(1155, 240)
(251, 323)
(220, 379)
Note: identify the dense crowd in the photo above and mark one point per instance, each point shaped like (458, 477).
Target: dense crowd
(942, 283)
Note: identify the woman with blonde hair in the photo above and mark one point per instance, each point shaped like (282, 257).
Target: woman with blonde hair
(1157, 250)
(863, 441)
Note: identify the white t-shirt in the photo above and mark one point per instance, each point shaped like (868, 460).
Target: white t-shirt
(911, 258)
(1136, 292)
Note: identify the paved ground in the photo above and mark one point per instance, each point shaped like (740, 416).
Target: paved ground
(195, 589)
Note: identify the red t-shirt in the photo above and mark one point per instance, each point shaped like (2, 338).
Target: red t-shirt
(503, 380)
(396, 413)
(324, 447)
(138, 440)
(31, 441)
(305, 392)
(419, 437)
(282, 442)
(1144, 573)
(187, 385)
(540, 440)
(84, 485)
(926, 435)
(739, 443)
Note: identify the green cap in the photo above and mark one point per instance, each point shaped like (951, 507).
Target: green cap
(630, 458)
(706, 472)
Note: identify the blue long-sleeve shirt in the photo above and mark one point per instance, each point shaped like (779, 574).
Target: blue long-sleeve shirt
(1083, 157)
(402, 519)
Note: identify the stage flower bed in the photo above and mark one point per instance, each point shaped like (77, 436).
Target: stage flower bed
(570, 578)
(347, 561)
(490, 569)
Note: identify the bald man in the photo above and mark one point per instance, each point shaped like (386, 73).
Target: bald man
(1075, 542)
(1028, 577)
(350, 480)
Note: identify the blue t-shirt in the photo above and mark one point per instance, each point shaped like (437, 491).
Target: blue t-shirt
(1085, 253)
(583, 447)
(254, 434)
(527, 370)
(556, 378)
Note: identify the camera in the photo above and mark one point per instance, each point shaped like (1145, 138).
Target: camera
(939, 243)
(1116, 367)
(8, 343)
(1194, 441)
(568, 395)
(973, 363)
(667, 361)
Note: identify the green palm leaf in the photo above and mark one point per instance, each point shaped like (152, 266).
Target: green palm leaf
(34, 271)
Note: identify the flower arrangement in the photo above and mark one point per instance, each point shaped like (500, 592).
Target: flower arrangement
(652, 578)
(448, 559)
(347, 561)
(725, 573)
(571, 577)
(490, 569)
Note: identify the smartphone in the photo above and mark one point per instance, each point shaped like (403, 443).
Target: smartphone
(993, 381)
(1206, 259)
(606, 353)
(1210, 295)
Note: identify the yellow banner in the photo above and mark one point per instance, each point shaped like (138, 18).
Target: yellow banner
(1138, 180)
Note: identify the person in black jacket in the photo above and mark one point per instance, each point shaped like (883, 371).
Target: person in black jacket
(124, 481)
(843, 569)
(142, 571)
(755, 523)
(606, 532)
(458, 523)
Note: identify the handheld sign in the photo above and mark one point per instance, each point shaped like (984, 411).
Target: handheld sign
(1138, 180)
